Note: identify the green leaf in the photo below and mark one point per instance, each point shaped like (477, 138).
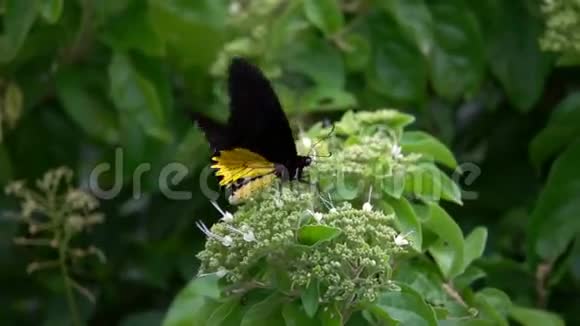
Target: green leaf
(397, 68)
(513, 53)
(554, 220)
(424, 277)
(457, 60)
(141, 36)
(195, 303)
(86, 108)
(313, 234)
(407, 221)
(18, 17)
(407, 307)
(449, 250)
(429, 183)
(221, 313)
(330, 316)
(5, 166)
(310, 299)
(493, 304)
(316, 58)
(470, 275)
(194, 31)
(135, 92)
(535, 317)
(149, 318)
(357, 53)
(423, 143)
(474, 245)
(51, 10)
(563, 127)
(415, 20)
(323, 99)
(266, 312)
(466, 322)
(324, 14)
(295, 315)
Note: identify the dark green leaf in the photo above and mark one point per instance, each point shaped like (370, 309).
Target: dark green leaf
(554, 221)
(310, 299)
(535, 317)
(407, 307)
(222, 312)
(424, 277)
(18, 17)
(266, 312)
(86, 107)
(149, 318)
(457, 60)
(324, 14)
(313, 234)
(415, 19)
(514, 54)
(423, 143)
(295, 315)
(192, 30)
(323, 99)
(563, 127)
(134, 92)
(141, 36)
(449, 250)
(51, 10)
(397, 68)
(5, 166)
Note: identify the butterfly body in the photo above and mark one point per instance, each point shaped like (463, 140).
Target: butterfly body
(256, 143)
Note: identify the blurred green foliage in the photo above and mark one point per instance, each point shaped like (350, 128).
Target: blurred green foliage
(82, 78)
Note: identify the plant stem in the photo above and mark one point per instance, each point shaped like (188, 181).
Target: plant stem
(71, 302)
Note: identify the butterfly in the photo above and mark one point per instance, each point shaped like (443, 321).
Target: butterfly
(255, 146)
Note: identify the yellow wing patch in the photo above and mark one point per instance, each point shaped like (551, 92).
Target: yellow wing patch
(249, 188)
(239, 163)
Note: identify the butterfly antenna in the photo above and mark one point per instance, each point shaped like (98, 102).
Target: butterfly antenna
(319, 141)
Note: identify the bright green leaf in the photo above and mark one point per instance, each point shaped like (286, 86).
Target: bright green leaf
(424, 277)
(423, 143)
(407, 221)
(474, 245)
(563, 127)
(324, 14)
(407, 307)
(449, 250)
(18, 17)
(313, 234)
(330, 316)
(85, 107)
(554, 220)
(457, 60)
(493, 304)
(51, 10)
(535, 317)
(429, 183)
(357, 52)
(195, 303)
(310, 299)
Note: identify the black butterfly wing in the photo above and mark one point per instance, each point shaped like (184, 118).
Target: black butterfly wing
(257, 121)
(215, 132)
